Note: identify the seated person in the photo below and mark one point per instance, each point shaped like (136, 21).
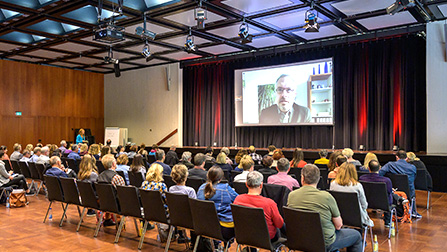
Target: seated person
(57, 169)
(323, 157)
(198, 171)
(26, 156)
(308, 197)
(282, 178)
(247, 165)
(8, 179)
(160, 158)
(186, 159)
(221, 161)
(298, 159)
(179, 175)
(254, 199)
(137, 165)
(122, 161)
(368, 158)
(74, 153)
(267, 168)
(348, 153)
(339, 161)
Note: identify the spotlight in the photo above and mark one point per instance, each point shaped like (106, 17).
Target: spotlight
(146, 52)
(143, 32)
(109, 60)
(311, 21)
(243, 33)
(189, 44)
(399, 5)
(200, 14)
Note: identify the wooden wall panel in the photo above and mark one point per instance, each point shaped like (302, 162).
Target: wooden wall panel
(53, 101)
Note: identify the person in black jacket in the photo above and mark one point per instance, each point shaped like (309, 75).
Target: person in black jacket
(171, 158)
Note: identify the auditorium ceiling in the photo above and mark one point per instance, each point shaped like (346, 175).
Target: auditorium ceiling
(60, 32)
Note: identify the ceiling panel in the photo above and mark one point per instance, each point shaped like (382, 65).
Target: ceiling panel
(353, 7)
(220, 49)
(126, 66)
(46, 54)
(90, 39)
(187, 18)
(233, 30)
(116, 55)
(291, 19)
(180, 40)
(24, 58)
(158, 29)
(7, 47)
(153, 48)
(251, 6)
(443, 9)
(325, 32)
(98, 69)
(66, 64)
(267, 42)
(75, 47)
(142, 61)
(181, 56)
(400, 18)
(86, 60)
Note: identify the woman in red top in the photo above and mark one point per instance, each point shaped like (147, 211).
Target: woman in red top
(297, 161)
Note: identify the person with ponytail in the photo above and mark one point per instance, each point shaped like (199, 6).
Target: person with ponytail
(222, 195)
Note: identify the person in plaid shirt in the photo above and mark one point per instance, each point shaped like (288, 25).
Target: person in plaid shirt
(256, 157)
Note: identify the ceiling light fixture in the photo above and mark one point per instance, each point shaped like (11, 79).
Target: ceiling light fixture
(146, 52)
(311, 19)
(189, 44)
(399, 5)
(143, 32)
(109, 59)
(243, 33)
(200, 14)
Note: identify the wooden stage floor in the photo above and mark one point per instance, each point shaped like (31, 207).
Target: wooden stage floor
(22, 229)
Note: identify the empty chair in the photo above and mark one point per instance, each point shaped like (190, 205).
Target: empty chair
(150, 159)
(34, 175)
(195, 183)
(240, 187)
(324, 174)
(168, 180)
(348, 205)
(179, 213)
(107, 202)
(154, 210)
(135, 178)
(100, 166)
(424, 182)
(55, 193)
(130, 204)
(278, 193)
(297, 173)
(400, 181)
(250, 227)
(71, 194)
(88, 198)
(206, 222)
(377, 197)
(311, 237)
(25, 170)
(73, 164)
(16, 169)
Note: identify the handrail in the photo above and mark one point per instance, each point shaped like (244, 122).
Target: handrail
(167, 137)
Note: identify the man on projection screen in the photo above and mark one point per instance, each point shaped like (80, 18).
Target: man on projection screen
(285, 110)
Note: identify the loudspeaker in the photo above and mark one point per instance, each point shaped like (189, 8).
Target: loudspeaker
(116, 68)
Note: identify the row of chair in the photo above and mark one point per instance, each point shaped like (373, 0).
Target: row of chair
(32, 171)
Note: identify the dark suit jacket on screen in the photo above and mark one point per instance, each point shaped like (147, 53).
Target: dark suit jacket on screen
(270, 115)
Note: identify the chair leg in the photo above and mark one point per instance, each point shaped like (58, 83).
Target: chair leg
(196, 244)
(140, 244)
(238, 247)
(48, 210)
(118, 233)
(365, 232)
(136, 227)
(38, 189)
(372, 238)
(428, 199)
(80, 220)
(228, 246)
(186, 241)
(168, 242)
(62, 203)
(65, 210)
(101, 216)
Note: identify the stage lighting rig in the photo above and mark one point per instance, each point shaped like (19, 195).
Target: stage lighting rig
(243, 33)
(189, 44)
(311, 20)
(200, 14)
(143, 32)
(399, 5)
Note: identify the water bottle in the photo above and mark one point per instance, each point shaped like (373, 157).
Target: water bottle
(393, 229)
(375, 244)
(7, 202)
(50, 216)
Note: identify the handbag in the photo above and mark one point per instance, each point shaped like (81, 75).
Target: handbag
(18, 198)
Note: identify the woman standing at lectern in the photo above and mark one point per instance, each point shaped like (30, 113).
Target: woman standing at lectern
(80, 137)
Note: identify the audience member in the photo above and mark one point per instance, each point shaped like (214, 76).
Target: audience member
(239, 155)
(36, 155)
(94, 151)
(133, 151)
(74, 153)
(104, 151)
(44, 158)
(412, 159)
(87, 169)
(267, 168)
(153, 150)
(5, 154)
(63, 147)
(227, 153)
(282, 178)
(10, 179)
(171, 156)
(323, 157)
(247, 165)
(137, 165)
(121, 162)
(68, 150)
(298, 159)
(53, 148)
(348, 153)
(277, 155)
(221, 161)
(223, 196)
(310, 198)
(256, 157)
(199, 169)
(160, 158)
(120, 150)
(332, 160)
(254, 199)
(30, 148)
(83, 149)
(339, 161)
(400, 166)
(57, 169)
(179, 175)
(143, 150)
(347, 181)
(186, 159)
(209, 155)
(271, 149)
(26, 156)
(368, 158)
(16, 155)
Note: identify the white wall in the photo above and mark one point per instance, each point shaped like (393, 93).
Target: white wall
(436, 89)
(140, 101)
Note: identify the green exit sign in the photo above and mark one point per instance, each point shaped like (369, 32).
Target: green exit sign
(18, 113)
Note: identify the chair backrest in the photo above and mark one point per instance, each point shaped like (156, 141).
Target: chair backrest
(422, 180)
(121, 173)
(179, 210)
(40, 169)
(297, 173)
(376, 195)
(361, 173)
(168, 180)
(100, 166)
(54, 189)
(266, 176)
(240, 187)
(153, 206)
(250, 227)
(195, 183)
(258, 167)
(322, 166)
(130, 161)
(88, 195)
(71, 193)
(204, 217)
(349, 207)
(208, 165)
(8, 166)
(107, 198)
(16, 169)
(304, 231)
(32, 169)
(233, 174)
(73, 165)
(400, 181)
(129, 199)
(324, 174)
(24, 169)
(135, 178)
(151, 159)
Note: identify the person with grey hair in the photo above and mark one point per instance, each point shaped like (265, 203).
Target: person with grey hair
(311, 199)
(63, 147)
(16, 155)
(227, 153)
(199, 167)
(57, 169)
(171, 157)
(160, 158)
(44, 157)
(186, 159)
(282, 178)
(254, 199)
(323, 157)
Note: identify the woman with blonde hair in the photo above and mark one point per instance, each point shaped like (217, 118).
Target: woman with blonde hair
(87, 169)
(179, 175)
(221, 161)
(239, 155)
(104, 151)
(298, 159)
(83, 149)
(368, 158)
(121, 162)
(346, 181)
(81, 136)
(30, 148)
(94, 151)
(223, 196)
